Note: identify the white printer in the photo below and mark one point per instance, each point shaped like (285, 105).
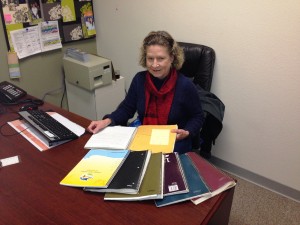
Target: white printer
(93, 73)
(91, 91)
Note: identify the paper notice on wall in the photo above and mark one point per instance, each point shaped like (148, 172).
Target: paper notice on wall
(13, 65)
(32, 40)
(26, 41)
(49, 36)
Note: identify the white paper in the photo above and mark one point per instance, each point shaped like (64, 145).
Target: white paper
(75, 128)
(113, 137)
(32, 40)
(26, 41)
(9, 161)
(49, 35)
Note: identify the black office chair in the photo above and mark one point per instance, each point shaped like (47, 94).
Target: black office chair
(199, 63)
(199, 66)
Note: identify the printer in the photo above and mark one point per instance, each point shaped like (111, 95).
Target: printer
(94, 72)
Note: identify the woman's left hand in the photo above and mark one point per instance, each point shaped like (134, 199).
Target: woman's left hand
(180, 133)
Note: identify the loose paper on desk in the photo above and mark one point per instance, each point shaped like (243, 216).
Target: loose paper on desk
(35, 138)
(9, 161)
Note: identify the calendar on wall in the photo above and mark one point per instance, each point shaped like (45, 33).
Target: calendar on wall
(74, 19)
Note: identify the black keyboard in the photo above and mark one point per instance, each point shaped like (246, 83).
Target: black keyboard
(51, 129)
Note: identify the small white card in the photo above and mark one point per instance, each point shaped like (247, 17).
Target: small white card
(9, 161)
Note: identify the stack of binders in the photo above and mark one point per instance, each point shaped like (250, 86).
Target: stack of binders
(125, 175)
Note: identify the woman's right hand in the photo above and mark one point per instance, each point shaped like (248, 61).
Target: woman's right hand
(96, 126)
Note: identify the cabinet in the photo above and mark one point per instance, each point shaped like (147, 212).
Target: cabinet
(94, 104)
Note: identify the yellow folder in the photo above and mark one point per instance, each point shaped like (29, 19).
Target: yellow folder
(157, 138)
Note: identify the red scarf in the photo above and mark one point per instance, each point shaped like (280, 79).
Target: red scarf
(158, 103)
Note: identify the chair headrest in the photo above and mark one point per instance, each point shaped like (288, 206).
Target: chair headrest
(199, 63)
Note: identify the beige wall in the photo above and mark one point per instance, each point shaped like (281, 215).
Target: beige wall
(256, 73)
(43, 72)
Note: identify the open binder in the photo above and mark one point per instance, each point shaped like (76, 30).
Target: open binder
(157, 138)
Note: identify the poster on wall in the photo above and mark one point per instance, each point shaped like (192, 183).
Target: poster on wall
(75, 18)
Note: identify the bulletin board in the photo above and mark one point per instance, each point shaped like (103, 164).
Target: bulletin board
(75, 18)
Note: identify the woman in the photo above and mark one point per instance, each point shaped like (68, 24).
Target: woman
(160, 95)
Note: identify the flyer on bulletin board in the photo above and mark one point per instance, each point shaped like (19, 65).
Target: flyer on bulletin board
(13, 65)
(32, 40)
(75, 18)
(26, 41)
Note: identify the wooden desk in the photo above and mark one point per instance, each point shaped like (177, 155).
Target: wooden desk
(30, 192)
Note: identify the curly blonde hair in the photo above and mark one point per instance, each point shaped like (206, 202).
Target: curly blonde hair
(162, 38)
